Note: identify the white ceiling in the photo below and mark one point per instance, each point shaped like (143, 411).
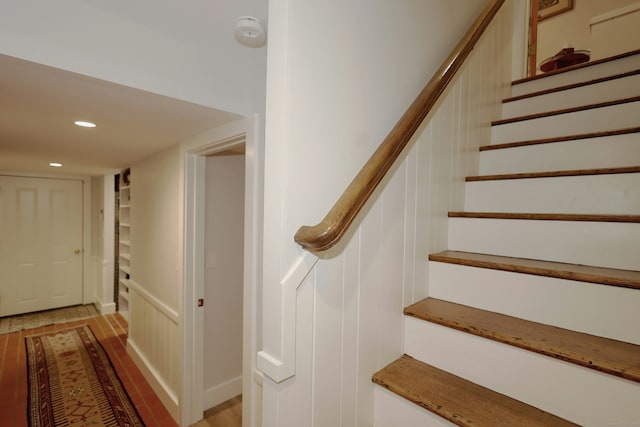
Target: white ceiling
(38, 104)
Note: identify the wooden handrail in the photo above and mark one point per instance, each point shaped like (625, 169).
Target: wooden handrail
(328, 232)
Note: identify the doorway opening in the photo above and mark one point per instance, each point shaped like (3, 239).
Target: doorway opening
(223, 276)
(228, 147)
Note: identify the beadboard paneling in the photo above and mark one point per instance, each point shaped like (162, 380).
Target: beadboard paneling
(154, 342)
(349, 307)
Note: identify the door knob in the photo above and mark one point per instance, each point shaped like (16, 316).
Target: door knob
(77, 252)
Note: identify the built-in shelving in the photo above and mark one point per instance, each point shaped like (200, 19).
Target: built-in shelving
(124, 243)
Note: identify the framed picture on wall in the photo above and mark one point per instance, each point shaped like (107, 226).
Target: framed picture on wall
(549, 8)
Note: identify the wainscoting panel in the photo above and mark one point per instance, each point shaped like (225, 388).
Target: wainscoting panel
(349, 307)
(154, 343)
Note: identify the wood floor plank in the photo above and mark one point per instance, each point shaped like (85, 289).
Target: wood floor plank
(13, 373)
(460, 401)
(226, 414)
(602, 354)
(559, 270)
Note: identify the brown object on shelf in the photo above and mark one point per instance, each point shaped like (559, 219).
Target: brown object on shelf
(565, 58)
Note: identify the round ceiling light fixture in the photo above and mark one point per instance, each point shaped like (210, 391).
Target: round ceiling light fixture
(250, 31)
(84, 124)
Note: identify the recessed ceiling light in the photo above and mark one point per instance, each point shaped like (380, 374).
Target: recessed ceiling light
(85, 124)
(55, 164)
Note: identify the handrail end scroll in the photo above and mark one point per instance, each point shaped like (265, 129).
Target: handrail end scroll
(317, 238)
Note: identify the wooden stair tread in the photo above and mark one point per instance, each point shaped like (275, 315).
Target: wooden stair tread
(575, 67)
(565, 111)
(555, 174)
(606, 355)
(566, 138)
(548, 216)
(458, 400)
(572, 86)
(559, 270)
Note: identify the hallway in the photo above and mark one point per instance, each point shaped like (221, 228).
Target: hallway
(111, 331)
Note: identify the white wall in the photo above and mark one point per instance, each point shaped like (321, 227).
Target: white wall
(572, 28)
(332, 96)
(157, 314)
(224, 246)
(155, 231)
(101, 253)
(97, 216)
(616, 31)
(186, 51)
(167, 48)
(155, 295)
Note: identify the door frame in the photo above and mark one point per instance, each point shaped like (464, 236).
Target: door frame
(88, 287)
(245, 131)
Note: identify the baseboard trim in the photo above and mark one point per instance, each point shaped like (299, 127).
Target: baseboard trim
(167, 397)
(222, 392)
(103, 309)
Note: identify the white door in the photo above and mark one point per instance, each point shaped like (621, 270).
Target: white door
(40, 244)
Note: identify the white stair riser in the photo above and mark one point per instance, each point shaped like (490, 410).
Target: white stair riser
(541, 299)
(606, 91)
(612, 245)
(392, 410)
(604, 152)
(585, 74)
(578, 394)
(594, 120)
(587, 194)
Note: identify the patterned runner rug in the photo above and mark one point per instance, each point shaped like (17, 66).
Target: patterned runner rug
(73, 383)
(49, 317)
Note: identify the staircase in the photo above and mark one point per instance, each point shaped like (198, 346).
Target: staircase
(533, 317)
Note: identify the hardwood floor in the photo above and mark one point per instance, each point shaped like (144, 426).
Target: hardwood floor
(226, 414)
(111, 331)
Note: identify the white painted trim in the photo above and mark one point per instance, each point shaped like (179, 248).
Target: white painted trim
(520, 39)
(222, 392)
(100, 267)
(88, 286)
(101, 273)
(613, 14)
(258, 377)
(215, 140)
(192, 317)
(253, 217)
(105, 308)
(166, 396)
(108, 232)
(192, 330)
(170, 313)
(283, 366)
